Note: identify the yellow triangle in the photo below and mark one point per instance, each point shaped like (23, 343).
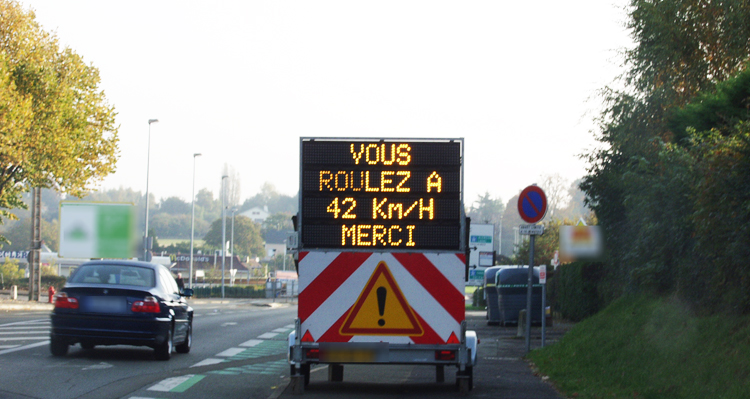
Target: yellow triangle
(381, 309)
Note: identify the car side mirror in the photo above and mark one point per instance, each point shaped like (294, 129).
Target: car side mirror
(188, 292)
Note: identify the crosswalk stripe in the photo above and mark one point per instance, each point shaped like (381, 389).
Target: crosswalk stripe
(20, 348)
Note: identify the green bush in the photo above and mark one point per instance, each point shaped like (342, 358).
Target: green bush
(478, 298)
(574, 290)
(229, 292)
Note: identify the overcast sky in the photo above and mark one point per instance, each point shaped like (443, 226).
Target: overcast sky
(242, 81)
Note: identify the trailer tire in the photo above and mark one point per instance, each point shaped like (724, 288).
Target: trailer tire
(305, 370)
(335, 372)
(440, 373)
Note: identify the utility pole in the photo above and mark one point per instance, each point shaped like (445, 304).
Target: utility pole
(35, 273)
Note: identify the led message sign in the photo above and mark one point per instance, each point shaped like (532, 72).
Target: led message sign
(381, 194)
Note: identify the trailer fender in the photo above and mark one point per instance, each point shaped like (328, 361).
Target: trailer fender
(471, 343)
(292, 337)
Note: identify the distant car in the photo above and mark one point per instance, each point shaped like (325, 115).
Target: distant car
(117, 302)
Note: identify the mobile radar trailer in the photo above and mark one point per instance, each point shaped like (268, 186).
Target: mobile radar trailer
(381, 249)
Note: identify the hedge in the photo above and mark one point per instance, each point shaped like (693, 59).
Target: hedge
(229, 292)
(574, 290)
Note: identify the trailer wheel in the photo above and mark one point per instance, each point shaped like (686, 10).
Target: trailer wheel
(305, 370)
(440, 373)
(465, 380)
(335, 372)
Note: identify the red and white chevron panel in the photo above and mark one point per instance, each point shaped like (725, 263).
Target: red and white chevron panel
(331, 283)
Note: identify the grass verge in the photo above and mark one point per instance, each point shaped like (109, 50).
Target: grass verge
(642, 347)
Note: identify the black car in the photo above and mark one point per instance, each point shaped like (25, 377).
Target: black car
(116, 302)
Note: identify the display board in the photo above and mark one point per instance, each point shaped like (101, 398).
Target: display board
(388, 194)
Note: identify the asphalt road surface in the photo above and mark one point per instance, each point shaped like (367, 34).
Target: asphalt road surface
(239, 351)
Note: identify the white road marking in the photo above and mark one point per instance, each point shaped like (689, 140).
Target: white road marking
(267, 335)
(20, 348)
(289, 326)
(24, 338)
(100, 366)
(231, 323)
(170, 383)
(280, 330)
(231, 352)
(20, 332)
(7, 346)
(25, 322)
(207, 362)
(23, 328)
(252, 342)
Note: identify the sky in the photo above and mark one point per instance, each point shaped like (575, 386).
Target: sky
(241, 81)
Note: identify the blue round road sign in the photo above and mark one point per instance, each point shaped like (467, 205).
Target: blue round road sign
(532, 204)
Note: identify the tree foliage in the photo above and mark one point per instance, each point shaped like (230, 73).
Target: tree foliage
(247, 238)
(56, 128)
(669, 185)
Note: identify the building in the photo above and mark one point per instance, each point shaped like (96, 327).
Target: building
(256, 214)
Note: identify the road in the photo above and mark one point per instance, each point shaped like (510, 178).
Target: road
(238, 352)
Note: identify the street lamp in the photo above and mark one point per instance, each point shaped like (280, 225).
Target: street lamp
(223, 233)
(231, 260)
(148, 161)
(192, 224)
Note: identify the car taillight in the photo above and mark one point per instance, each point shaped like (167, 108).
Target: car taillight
(63, 301)
(149, 304)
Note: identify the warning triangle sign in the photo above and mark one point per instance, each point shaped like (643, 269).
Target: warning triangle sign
(381, 309)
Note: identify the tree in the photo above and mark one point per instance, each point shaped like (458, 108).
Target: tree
(18, 233)
(206, 207)
(486, 210)
(234, 188)
(278, 222)
(663, 146)
(556, 190)
(58, 129)
(247, 238)
(174, 206)
(276, 202)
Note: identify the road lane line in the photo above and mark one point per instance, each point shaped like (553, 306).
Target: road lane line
(231, 352)
(281, 330)
(8, 346)
(175, 384)
(24, 338)
(25, 322)
(23, 328)
(207, 362)
(251, 343)
(20, 332)
(267, 335)
(20, 348)
(289, 326)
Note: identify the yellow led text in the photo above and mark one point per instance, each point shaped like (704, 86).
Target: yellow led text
(366, 235)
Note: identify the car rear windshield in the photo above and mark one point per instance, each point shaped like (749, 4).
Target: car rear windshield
(114, 274)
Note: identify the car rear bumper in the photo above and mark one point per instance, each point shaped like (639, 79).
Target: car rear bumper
(98, 330)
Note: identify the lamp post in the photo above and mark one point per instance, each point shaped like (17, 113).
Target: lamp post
(148, 162)
(231, 240)
(192, 224)
(223, 233)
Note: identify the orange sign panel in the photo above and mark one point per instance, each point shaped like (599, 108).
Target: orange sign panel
(381, 309)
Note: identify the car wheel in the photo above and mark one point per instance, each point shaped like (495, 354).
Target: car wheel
(87, 345)
(185, 346)
(163, 351)
(58, 347)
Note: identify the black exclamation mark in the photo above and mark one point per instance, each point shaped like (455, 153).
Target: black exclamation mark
(381, 304)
